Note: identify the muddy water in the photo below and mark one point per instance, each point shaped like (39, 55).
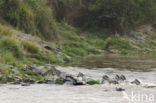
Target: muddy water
(142, 68)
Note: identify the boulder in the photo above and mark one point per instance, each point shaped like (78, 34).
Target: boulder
(48, 47)
(53, 69)
(29, 81)
(44, 70)
(17, 82)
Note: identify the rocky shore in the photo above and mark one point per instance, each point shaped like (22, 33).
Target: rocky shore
(55, 76)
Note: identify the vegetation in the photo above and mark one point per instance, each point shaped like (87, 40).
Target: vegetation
(32, 48)
(72, 29)
(31, 16)
(12, 46)
(92, 82)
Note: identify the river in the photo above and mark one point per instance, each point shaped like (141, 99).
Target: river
(142, 68)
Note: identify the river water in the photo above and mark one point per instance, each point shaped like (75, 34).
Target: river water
(142, 68)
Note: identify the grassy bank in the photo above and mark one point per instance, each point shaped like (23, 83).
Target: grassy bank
(47, 32)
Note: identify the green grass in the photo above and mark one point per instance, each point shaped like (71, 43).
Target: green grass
(116, 43)
(30, 61)
(12, 46)
(4, 31)
(30, 47)
(30, 72)
(46, 58)
(6, 75)
(92, 82)
(30, 16)
(75, 51)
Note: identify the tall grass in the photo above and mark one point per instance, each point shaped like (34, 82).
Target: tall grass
(12, 46)
(31, 16)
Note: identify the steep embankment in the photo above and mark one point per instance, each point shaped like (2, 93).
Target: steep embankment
(41, 32)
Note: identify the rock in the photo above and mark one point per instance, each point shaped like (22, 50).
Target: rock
(15, 71)
(29, 81)
(48, 47)
(9, 66)
(119, 89)
(136, 81)
(54, 70)
(44, 70)
(17, 82)
(79, 83)
(60, 59)
(25, 84)
(42, 82)
(28, 67)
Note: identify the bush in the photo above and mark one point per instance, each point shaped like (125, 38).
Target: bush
(31, 16)
(32, 48)
(4, 31)
(75, 51)
(116, 43)
(92, 82)
(12, 46)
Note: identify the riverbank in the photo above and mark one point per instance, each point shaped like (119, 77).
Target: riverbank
(19, 50)
(104, 93)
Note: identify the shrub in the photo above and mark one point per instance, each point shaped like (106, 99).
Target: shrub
(92, 82)
(32, 48)
(4, 31)
(12, 46)
(75, 51)
(31, 16)
(116, 43)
